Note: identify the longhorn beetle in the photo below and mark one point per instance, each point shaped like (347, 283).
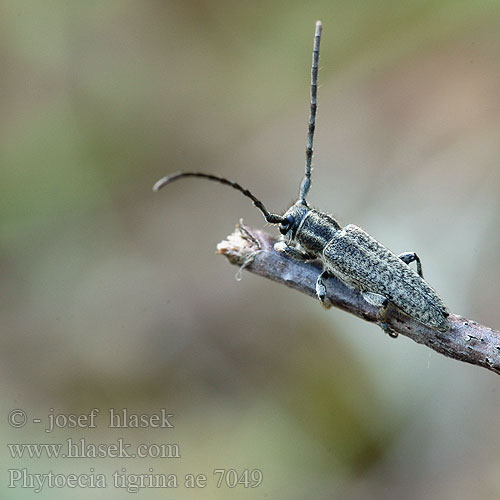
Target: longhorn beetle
(348, 253)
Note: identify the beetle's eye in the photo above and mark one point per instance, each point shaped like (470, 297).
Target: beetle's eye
(286, 224)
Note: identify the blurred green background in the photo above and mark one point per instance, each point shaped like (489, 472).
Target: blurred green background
(112, 296)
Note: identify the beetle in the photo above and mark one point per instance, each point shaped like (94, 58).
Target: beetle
(348, 253)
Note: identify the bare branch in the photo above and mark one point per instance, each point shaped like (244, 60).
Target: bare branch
(466, 340)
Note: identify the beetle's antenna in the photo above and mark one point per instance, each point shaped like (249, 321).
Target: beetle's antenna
(271, 218)
(306, 182)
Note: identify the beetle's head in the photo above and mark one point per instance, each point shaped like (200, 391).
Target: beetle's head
(292, 219)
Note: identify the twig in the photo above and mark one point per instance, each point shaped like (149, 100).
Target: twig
(466, 340)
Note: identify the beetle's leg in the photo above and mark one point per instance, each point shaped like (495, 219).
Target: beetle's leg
(293, 252)
(321, 288)
(377, 300)
(382, 317)
(409, 257)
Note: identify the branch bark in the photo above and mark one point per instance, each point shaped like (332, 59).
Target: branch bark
(466, 340)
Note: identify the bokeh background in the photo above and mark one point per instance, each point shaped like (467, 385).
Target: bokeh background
(113, 297)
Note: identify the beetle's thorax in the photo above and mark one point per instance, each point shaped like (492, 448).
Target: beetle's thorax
(310, 228)
(316, 231)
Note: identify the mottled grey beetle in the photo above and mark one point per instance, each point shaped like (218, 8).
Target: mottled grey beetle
(348, 253)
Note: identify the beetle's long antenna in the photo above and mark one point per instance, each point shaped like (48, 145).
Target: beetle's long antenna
(271, 218)
(306, 182)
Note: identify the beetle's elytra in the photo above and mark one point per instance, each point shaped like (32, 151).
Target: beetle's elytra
(348, 253)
